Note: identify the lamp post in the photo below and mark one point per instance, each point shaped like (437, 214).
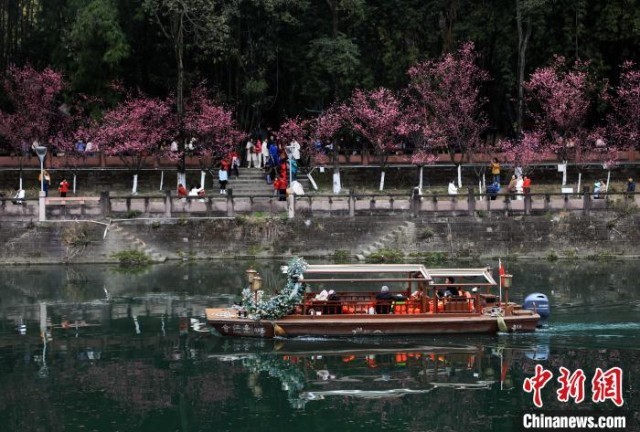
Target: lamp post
(256, 286)
(41, 151)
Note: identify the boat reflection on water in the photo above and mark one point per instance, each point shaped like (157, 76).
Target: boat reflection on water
(312, 370)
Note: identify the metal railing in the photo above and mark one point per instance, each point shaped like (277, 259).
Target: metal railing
(353, 205)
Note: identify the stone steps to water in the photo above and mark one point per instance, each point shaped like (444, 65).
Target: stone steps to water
(137, 243)
(401, 234)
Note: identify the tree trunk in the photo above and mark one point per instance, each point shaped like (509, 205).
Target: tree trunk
(523, 41)
(337, 187)
(74, 183)
(203, 178)
(420, 179)
(382, 181)
(134, 189)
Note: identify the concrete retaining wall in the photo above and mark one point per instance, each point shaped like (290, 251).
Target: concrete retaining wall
(564, 235)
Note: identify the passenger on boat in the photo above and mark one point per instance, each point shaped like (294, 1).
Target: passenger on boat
(383, 303)
(451, 290)
(333, 308)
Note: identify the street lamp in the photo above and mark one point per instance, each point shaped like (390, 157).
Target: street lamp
(41, 151)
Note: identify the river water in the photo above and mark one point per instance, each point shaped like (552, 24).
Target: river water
(115, 357)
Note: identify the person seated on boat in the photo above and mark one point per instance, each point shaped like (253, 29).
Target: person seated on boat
(335, 307)
(417, 294)
(323, 296)
(383, 301)
(451, 290)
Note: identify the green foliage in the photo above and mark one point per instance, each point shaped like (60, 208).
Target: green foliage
(338, 72)
(426, 234)
(386, 256)
(132, 214)
(341, 256)
(605, 256)
(255, 52)
(98, 43)
(132, 258)
(551, 256)
(430, 258)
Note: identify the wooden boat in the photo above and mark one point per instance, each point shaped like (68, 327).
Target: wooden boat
(416, 305)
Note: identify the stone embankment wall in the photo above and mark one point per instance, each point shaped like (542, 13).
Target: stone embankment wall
(562, 235)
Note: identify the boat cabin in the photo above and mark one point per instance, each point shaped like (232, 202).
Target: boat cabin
(399, 289)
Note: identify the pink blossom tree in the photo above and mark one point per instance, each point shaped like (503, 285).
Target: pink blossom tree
(445, 106)
(325, 128)
(34, 116)
(559, 99)
(378, 117)
(522, 152)
(214, 128)
(624, 122)
(134, 130)
(295, 129)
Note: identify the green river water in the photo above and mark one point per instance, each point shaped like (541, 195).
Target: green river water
(121, 363)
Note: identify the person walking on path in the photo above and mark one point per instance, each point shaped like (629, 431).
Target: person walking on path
(257, 154)
(526, 185)
(45, 183)
(63, 188)
(249, 148)
(495, 170)
(631, 186)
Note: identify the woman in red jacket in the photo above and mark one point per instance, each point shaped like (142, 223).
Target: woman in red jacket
(63, 188)
(280, 184)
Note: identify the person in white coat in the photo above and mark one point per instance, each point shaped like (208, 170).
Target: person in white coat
(250, 157)
(295, 149)
(453, 190)
(519, 188)
(265, 152)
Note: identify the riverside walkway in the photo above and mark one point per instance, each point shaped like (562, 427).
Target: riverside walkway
(167, 206)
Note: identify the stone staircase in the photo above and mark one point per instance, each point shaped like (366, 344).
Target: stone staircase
(252, 181)
(399, 237)
(134, 242)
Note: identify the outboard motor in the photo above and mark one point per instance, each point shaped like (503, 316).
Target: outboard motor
(538, 303)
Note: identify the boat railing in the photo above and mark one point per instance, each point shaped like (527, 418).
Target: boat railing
(366, 303)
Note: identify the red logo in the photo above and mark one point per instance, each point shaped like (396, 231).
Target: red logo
(605, 385)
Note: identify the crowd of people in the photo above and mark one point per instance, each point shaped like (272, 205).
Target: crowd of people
(279, 163)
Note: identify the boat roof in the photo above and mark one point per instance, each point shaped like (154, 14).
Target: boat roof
(483, 272)
(367, 268)
(426, 273)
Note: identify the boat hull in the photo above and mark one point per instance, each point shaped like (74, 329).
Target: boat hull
(225, 323)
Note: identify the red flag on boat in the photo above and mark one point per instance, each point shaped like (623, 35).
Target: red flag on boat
(501, 269)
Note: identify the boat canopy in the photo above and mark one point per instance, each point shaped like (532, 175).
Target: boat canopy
(407, 272)
(483, 273)
(417, 271)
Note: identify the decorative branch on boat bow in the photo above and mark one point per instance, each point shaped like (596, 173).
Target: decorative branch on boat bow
(282, 303)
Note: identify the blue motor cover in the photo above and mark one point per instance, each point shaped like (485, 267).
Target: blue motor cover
(539, 303)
